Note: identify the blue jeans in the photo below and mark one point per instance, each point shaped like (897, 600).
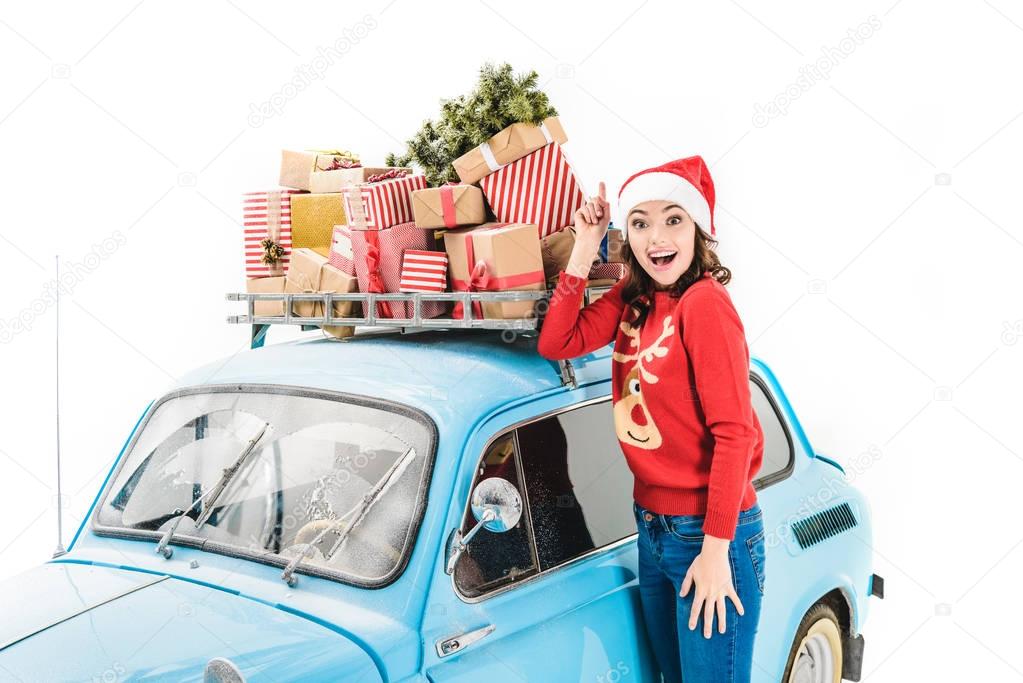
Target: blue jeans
(667, 545)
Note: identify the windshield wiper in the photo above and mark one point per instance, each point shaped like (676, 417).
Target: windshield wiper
(360, 513)
(162, 548)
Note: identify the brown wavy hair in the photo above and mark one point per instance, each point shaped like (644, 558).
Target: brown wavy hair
(639, 287)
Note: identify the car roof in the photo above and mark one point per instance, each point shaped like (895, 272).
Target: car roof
(462, 371)
(445, 373)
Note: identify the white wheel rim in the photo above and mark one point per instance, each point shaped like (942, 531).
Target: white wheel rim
(817, 658)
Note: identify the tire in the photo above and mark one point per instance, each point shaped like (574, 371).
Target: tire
(816, 654)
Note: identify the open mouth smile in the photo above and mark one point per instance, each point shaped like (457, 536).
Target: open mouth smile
(662, 258)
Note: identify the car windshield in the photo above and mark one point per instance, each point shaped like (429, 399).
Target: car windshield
(318, 457)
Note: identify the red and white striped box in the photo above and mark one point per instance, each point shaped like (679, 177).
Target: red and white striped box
(379, 205)
(607, 271)
(540, 188)
(424, 271)
(378, 256)
(266, 214)
(341, 256)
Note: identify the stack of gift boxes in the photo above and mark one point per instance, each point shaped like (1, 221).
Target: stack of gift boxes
(338, 226)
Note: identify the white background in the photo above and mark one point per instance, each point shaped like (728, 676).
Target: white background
(874, 231)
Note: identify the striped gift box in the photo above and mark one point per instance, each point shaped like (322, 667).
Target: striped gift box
(539, 188)
(378, 255)
(266, 214)
(607, 271)
(341, 256)
(379, 205)
(424, 271)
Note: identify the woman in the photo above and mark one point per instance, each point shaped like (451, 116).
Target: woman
(682, 412)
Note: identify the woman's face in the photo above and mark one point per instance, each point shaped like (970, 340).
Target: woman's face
(661, 235)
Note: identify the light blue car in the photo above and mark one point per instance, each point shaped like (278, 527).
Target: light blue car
(309, 511)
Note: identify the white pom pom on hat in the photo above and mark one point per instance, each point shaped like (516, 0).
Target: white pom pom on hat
(685, 182)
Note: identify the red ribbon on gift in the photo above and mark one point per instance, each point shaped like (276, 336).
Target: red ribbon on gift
(376, 280)
(480, 279)
(447, 204)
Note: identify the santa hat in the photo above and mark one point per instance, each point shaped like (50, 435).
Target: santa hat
(685, 182)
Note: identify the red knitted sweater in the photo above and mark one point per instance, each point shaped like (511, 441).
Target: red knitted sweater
(680, 394)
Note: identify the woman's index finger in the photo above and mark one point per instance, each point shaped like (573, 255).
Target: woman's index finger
(601, 190)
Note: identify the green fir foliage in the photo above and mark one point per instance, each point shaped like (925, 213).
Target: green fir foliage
(499, 99)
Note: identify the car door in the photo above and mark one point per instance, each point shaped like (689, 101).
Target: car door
(556, 597)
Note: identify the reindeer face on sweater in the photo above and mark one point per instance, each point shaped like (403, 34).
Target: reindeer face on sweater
(633, 421)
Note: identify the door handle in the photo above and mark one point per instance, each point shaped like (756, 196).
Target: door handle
(458, 643)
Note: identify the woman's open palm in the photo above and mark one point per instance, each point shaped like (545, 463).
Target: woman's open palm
(712, 576)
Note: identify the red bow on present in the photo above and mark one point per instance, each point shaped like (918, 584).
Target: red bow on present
(478, 280)
(376, 280)
(338, 163)
(387, 175)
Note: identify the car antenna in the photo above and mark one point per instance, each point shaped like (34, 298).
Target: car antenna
(56, 363)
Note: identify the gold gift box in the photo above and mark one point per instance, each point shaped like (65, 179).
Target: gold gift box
(313, 217)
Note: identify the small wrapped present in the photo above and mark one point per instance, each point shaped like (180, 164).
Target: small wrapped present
(539, 188)
(313, 217)
(424, 271)
(378, 255)
(607, 271)
(266, 225)
(611, 246)
(341, 256)
(340, 178)
(495, 257)
(448, 206)
(514, 142)
(266, 285)
(310, 273)
(382, 202)
(296, 167)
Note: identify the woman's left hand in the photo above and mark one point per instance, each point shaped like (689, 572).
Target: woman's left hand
(712, 575)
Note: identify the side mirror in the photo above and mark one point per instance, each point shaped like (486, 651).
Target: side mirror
(496, 505)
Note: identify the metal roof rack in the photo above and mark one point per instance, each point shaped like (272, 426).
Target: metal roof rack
(526, 325)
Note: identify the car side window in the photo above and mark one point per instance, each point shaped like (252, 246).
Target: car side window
(778, 451)
(578, 484)
(493, 560)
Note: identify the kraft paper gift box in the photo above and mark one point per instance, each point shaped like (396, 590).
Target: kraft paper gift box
(266, 230)
(297, 166)
(313, 217)
(340, 178)
(448, 206)
(378, 255)
(514, 142)
(381, 204)
(540, 188)
(556, 250)
(310, 273)
(495, 257)
(424, 271)
(266, 285)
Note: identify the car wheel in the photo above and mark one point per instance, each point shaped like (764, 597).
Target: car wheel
(816, 655)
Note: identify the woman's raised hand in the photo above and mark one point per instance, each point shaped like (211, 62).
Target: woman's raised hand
(592, 218)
